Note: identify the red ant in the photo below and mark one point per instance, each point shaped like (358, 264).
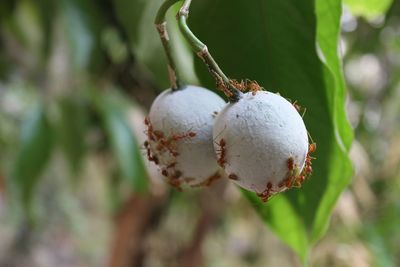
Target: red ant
(149, 131)
(158, 134)
(160, 147)
(307, 170)
(175, 183)
(286, 182)
(152, 158)
(290, 164)
(177, 137)
(174, 153)
(311, 148)
(150, 134)
(211, 179)
(269, 187)
(253, 87)
(206, 182)
(299, 180)
(233, 176)
(282, 183)
(221, 160)
(220, 84)
(189, 180)
(299, 108)
(146, 121)
(241, 86)
(177, 174)
(155, 159)
(266, 194)
(171, 165)
(248, 85)
(163, 143)
(167, 143)
(173, 180)
(149, 156)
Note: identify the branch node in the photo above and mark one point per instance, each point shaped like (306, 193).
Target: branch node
(203, 52)
(183, 12)
(162, 30)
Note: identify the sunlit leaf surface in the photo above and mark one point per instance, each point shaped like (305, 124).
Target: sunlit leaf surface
(276, 44)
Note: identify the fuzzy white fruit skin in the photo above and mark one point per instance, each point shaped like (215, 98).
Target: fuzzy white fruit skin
(192, 109)
(261, 133)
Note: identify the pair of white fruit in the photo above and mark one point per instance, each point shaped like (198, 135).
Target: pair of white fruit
(260, 141)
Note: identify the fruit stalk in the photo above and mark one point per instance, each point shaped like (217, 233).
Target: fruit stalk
(201, 50)
(161, 25)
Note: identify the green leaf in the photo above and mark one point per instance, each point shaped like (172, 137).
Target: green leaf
(368, 8)
(112, 108)
(328, 32)
(33, 156)
(274, 42)
(71, 130)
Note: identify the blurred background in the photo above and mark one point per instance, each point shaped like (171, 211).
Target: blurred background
(73, 96)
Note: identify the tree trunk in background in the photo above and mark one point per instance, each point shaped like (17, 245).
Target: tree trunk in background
(212, 206)
(131, 226)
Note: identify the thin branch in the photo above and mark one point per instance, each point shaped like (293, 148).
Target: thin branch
(161, 25)
(223, 82)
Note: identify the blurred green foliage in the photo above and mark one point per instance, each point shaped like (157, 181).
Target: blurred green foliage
(123, 142)
(34, 154)
(368, 8)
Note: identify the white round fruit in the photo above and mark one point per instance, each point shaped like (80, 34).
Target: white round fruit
(261, 142)
(180, 135)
